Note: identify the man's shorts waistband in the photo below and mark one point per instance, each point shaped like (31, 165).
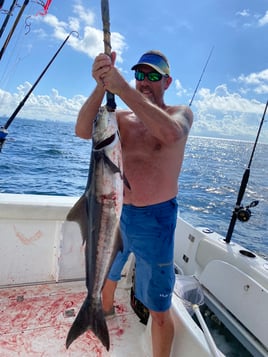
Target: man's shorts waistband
(155, 206)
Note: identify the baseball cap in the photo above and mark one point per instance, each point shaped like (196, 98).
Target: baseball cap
(155, 59)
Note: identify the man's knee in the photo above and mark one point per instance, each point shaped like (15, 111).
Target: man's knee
(161, 318)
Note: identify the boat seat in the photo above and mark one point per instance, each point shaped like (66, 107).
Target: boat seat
(210, 249)
(243, 296)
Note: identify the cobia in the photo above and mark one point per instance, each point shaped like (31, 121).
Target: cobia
(98, 213)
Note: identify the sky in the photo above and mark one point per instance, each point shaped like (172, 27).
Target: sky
(229, 88)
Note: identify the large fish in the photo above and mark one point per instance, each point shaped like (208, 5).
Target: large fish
(98, 213)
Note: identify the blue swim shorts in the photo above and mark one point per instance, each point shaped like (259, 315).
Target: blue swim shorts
(148, 232)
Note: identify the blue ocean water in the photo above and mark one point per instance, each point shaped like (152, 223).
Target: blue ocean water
(45, 157)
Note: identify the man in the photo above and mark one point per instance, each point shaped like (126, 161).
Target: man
(153, 137)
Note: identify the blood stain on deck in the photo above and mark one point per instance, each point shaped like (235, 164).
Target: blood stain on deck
(35, 321)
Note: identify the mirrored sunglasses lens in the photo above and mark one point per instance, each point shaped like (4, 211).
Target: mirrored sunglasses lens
(154, 76)
(139, 75)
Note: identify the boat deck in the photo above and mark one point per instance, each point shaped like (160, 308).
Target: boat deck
(35, 321)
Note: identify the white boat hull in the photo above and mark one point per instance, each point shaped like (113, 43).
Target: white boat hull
(42, 264)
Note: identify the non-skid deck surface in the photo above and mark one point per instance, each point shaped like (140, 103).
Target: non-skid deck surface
(35, 321)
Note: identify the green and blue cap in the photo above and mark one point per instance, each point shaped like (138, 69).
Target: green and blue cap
(155, 59)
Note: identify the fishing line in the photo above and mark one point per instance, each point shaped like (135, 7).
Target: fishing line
(8, 15)
(15, 54)
(9, 36)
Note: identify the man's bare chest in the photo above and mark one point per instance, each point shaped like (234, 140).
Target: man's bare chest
(138, 138)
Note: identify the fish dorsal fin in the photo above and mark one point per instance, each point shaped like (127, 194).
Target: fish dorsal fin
(79, 214)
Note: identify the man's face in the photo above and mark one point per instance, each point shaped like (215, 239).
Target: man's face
(154, 91)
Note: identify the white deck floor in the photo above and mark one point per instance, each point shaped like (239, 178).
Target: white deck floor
(35, 321)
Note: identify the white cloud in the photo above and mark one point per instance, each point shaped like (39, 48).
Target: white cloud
(179, 88)
(243, 13)
(47, 106)
(263, 20)
(222, 113)
(254, 78)
(225, 101)
(257, 82)
(84, 15)
(255, 19)
(90, 40)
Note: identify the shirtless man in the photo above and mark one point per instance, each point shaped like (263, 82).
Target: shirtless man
(153, 137)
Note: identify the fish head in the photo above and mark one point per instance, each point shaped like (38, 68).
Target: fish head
(104, 128)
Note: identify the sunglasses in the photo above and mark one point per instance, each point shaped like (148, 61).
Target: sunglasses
(152, 76)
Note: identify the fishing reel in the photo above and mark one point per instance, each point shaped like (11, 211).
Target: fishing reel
(244, 213)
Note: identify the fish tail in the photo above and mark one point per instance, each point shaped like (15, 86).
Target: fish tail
(99, 327)
(89, 318)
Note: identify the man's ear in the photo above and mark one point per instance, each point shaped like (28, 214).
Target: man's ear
(168, 82)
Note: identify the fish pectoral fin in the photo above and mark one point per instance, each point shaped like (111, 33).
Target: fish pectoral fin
(78, 213)
(90, 317)
(126, 183)
(114, 168)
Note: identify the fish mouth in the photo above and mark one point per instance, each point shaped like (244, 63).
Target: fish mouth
(104, 143)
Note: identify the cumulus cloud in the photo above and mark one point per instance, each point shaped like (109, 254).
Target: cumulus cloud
(50, 106)
(253, 19)
(230, 113)
(225, 101)
(180, 90)
(222, 113)
(254, 78)
(243, 13)
(257, 81)
(263, 20)
(90, 39)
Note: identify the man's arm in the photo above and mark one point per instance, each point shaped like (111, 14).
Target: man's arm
(89, 110)
(88, 113)
(168, 126)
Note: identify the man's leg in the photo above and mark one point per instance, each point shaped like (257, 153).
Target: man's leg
(162, 333)
(108, 292)
(110, 284)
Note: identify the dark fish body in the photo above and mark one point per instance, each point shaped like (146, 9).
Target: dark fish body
(98, 213)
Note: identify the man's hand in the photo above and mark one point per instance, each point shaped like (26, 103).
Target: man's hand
(102, 66)
(107, 75)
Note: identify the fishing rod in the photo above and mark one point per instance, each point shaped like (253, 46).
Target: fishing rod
(111, 105)
(200, 79)
(26, 2)
(3, 130)
(8, 15)
(239, 212)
